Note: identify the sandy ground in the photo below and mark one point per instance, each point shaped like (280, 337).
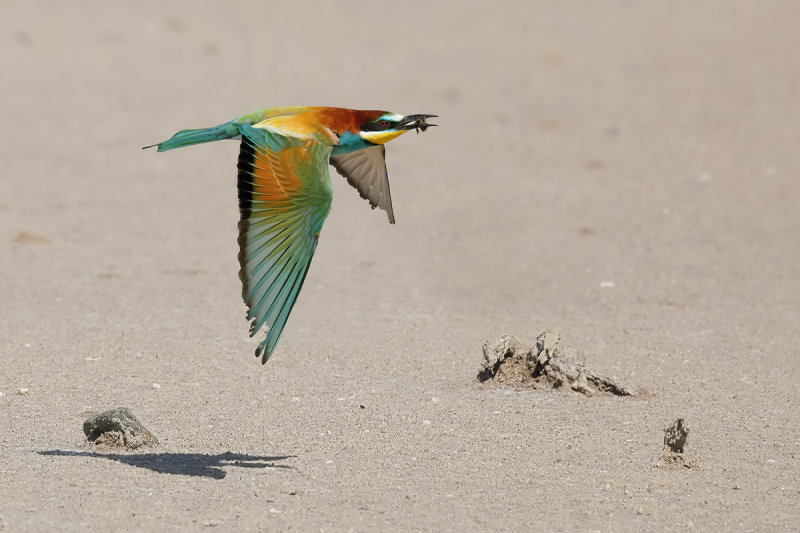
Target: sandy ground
(649, 145)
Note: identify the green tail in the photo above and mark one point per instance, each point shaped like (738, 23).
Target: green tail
(206, 135)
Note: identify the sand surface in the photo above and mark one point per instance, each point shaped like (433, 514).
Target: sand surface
(625, 172)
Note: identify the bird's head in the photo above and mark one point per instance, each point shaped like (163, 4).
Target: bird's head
(386, 126)
(357, 129)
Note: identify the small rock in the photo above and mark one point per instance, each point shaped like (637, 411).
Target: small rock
(675, 436)
(155, 386)
(118, 428)
(22, 391)
(674, 442)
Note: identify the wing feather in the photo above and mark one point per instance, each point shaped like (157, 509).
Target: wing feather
(365, 170)
(284, 197)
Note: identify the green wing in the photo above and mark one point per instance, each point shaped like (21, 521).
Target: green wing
(284, 197)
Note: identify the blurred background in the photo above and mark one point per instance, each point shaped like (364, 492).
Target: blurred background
(648, 145)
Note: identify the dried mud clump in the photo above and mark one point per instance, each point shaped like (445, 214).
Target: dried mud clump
(118, 429)
(674, 441)
(509, 361)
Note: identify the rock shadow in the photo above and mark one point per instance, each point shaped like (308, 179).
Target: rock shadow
(184, 464)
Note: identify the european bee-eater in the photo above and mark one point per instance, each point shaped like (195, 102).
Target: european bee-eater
(285, 192)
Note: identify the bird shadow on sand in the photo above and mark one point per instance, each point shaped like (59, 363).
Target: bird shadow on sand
(184, 464)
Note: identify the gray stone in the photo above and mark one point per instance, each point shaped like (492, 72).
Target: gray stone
(118, 428)
(674, 442)
(675, 435)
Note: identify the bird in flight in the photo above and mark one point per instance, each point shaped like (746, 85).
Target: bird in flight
(285, 192)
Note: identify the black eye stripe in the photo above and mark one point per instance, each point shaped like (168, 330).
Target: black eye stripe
(378, 125)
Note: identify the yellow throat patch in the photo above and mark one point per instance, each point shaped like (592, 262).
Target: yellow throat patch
(380, 137)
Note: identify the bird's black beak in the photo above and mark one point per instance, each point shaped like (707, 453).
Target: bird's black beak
(415, 122)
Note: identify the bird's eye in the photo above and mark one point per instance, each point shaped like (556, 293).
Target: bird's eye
(383, 123)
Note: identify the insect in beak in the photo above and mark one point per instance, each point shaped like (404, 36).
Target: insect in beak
(416, 122)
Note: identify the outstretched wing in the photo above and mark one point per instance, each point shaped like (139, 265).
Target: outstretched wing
(366, 171)
(284, 197)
